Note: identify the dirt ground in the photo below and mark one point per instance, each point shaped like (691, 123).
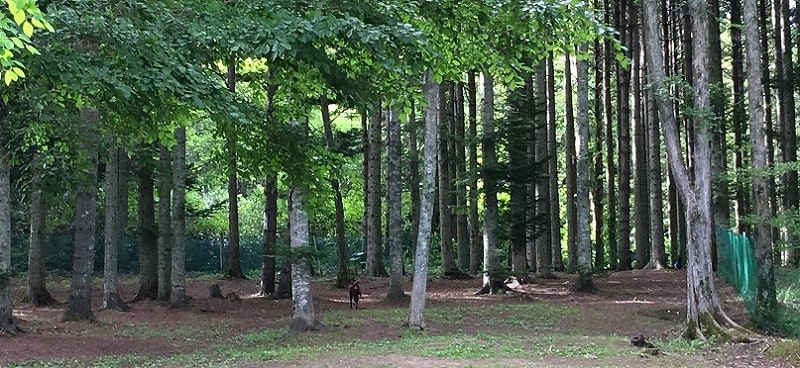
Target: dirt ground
(621, 297)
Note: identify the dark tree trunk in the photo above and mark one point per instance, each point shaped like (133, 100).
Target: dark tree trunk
(413, 173)
(572, 217)
(37, 275)
(394, 206)
(234, 265)
(148, 234)
(557, 263)
(789, 130)
(374, 228)
(112, 229)
(719, 160)
(342, 274)
(445, 184)
(269, 241)
(624, 143)
(8, 324)
(598, 170)
(739, 113)
(459, 140)
(539, 194)
(476, 249)
(517, 147)
(79, 306)
(641, 195)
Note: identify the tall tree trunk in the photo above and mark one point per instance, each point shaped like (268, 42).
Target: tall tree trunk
(177, 298)
(583, 241)
(739, 114)
(704, 312)
(112, 233)
(610, 168)
(342, 274)
(148, 235)
(598, 170)
(553, 197)
(79, 306)
(416, 310)
(413, 173)
(641, 196)
(572, 217)
(719, 159)
(658, 258)
(764, 11)
(270, 235)
(475, 248)
(164, 223)
(541, 191)
(8, 324)
(303, 318)
(445, 184)
(624, 142)
(394, 217)
(517, 117)
(490, 210)
(459, 140)
(789, 131)
(37, 275)
(766, 300)
(234, 265)
(374, 229)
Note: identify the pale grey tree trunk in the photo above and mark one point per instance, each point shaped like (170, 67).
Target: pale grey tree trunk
(37, 275)
(79, 306)
(704, 311)
(583, 241)
(491, 216)
(394, 206)
(766, 300)
(303, 318)
(475, 248)
(416, 310)
(177, 298)
(374, 229)
(8, 324)
(164, 223)
(112, 233)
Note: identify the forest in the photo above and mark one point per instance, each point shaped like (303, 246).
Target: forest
(289, 142)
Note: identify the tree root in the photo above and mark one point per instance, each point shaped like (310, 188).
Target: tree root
(42, 298)
(300, 325)
(720, 326)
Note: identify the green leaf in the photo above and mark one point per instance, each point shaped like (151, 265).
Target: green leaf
(19, 17)
(27, 29)
(9, 77)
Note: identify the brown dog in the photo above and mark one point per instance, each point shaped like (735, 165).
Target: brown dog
(355, 294)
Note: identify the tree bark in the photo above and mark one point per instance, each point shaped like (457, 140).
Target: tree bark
(583, 244)
(416, 310)
(394, 206)
(598, 170)
(623, 229)
(459, 140)
(342, 274)
(303, 318)
(571, 174)
(178, 297)
(164, 223)
(445, 183)
(658, 258)
(475, 249)
(269, 241)
(540, 192)
(112, 233)
(79, 306)
(413, 173)
(148, 235)
(234, 265)
(738, 113)
(518, 125)
(557, 263)
(8, 324)
(37, 275)
(719, 159)
(490, 210)
(641, 196)
(374, 229)
(789, 130)
(766, 299)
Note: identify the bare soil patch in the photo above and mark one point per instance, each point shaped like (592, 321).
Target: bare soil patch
(631, 303)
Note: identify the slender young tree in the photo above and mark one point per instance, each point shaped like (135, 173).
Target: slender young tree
(394, 206)
(177, 297)
(766, 300)
(342, 274)
(416, 310)
(234, 265)
(79, 306)
(303, 317)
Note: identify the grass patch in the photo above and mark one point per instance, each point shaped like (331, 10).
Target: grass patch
(788, 349)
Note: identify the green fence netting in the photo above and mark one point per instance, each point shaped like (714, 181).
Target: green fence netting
(736, 263)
